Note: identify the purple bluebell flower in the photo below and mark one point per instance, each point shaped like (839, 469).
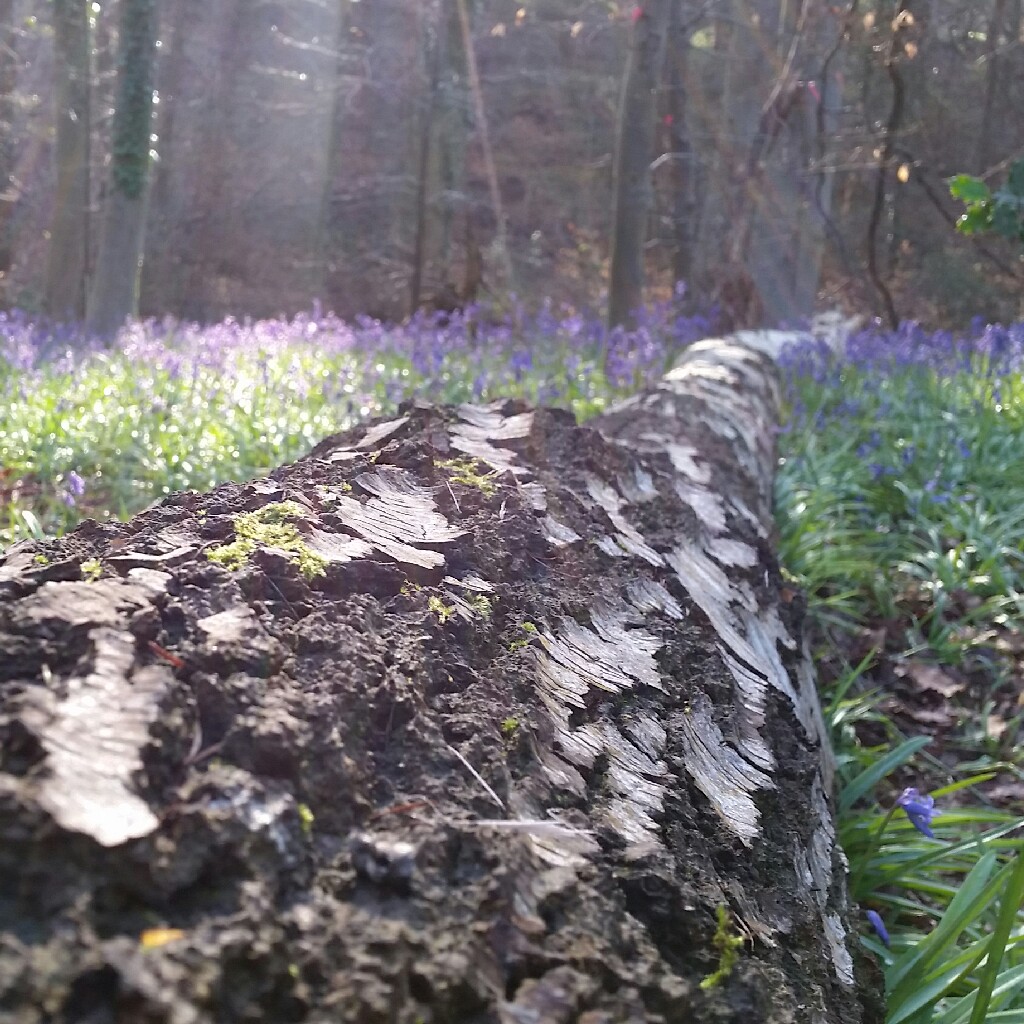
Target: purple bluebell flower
(919, 808)
(879, 925)
(74, 488)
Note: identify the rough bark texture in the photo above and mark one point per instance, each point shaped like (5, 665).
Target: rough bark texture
(484, 727)
(634, 150)
(69, 229)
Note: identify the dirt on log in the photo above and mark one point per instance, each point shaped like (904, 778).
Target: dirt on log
(474, 715)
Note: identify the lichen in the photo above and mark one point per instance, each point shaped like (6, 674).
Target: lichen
(269, 526)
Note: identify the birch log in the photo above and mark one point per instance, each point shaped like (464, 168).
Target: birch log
(474, 715)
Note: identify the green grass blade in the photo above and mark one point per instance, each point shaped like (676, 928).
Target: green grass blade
(1008, 910)
(870, 777)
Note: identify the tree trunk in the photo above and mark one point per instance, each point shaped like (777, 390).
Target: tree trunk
(187, 253)
(473, 715)
(67, 263)
(114, 295)
(634, 145)
(994, 77)
(792, 195)
(334, 158)
(432, 48)
(765, 133)
(8, 186)
(684, 166)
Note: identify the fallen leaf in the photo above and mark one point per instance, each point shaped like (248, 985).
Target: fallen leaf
(931, 677)
(995, 726)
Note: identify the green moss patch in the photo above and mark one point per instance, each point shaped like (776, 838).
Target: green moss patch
(270, 527)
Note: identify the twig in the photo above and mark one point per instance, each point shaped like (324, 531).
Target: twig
(479, 778)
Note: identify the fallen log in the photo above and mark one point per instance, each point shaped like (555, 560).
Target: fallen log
(471, 715)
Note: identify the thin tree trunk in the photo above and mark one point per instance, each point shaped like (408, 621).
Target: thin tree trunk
(67, 263)
(114, 295)
(159, 267)
(8, 187)
(503, 251)
(432, 52)
(334, 162)
(994, 77)
(684, 164)
(634, 146)
(513, 726)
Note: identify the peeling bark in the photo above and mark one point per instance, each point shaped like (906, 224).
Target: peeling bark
(535, 713)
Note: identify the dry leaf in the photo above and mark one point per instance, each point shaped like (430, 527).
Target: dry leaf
(995, 726)
(931, 677)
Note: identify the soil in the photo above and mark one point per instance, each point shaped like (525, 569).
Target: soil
(320, 787)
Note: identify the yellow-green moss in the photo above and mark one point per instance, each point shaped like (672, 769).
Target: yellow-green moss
(530, 630)
(270, 527)
(443, 611)
(728, 945)
(92, 570)
(463, 471)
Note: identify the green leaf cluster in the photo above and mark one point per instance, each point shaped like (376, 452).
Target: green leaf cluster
(988, 212)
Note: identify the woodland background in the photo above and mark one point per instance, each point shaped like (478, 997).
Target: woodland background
(378, 156)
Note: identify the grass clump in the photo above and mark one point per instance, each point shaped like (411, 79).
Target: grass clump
(900, 503)
(269, 526)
